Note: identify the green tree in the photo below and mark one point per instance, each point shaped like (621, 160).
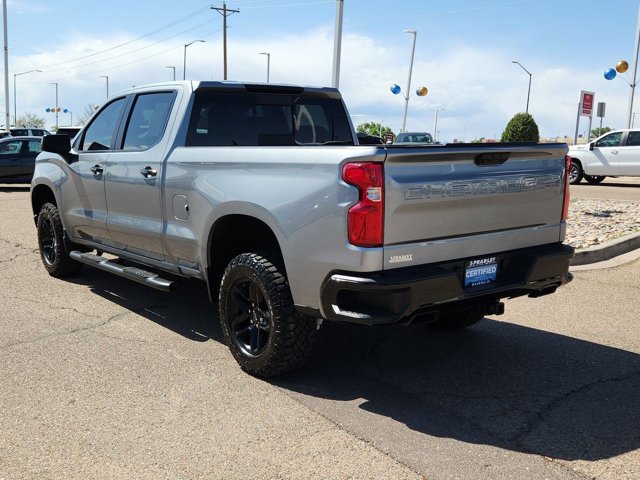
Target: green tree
(373, 128)
(30, 120)
(596, 132)
(478, 140)
(521, 128)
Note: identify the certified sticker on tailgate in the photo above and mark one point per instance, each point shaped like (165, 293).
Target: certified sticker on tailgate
(480, 271)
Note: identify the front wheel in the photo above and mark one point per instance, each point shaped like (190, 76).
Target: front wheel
(265, 334)
(594, 179)
(576, 173)
(54, 255)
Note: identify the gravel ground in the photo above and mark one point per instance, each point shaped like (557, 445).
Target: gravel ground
(592, 222)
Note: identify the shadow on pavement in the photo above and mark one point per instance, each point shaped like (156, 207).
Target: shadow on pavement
(187, 311)
(14, 188)
(609, 183)
(497, 383)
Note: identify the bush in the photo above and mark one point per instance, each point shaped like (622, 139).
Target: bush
(521, 128)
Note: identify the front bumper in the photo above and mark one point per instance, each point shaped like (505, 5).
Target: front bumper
(401, 295)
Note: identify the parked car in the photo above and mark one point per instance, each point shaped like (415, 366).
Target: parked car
(18, 158)
(28, 132)
(616, 153)
(414, 137)
(72, 131)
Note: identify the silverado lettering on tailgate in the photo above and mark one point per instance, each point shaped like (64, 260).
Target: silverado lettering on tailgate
(486, 186)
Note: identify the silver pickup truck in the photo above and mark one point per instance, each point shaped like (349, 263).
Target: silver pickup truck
(262, 192)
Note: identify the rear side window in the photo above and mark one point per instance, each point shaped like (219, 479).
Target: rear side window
(257, 119)
(19, 132)
(148, 120)
(102, 131)
(35, 146)
(634, 138)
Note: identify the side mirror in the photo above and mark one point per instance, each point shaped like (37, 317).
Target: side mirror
(60, 144)
(592, 145)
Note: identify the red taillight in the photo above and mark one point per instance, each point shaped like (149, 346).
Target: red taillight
(365, 219)
(567, 172)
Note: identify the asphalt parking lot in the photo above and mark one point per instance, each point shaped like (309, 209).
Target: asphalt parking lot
(103, 378)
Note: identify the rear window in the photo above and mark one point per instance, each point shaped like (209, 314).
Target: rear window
(257, 119)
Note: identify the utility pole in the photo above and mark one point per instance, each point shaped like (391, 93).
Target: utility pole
(225, 12)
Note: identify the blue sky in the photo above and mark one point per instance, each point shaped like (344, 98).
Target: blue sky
(463, 54)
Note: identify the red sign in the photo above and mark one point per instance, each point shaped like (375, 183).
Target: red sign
(388, 137)
(587, 99)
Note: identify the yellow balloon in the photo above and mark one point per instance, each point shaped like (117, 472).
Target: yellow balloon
(622, 66)
(422, 91)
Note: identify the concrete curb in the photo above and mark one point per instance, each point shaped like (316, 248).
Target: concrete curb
(606, 250)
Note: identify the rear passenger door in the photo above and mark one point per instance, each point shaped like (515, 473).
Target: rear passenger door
(133, 174)
(629, 159)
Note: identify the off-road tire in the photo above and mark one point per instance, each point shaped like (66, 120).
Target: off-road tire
(255, 301)
(458, 320)
(53, 252)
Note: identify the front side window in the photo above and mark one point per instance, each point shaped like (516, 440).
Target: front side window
(10, 148)
(265, 119)
(148, 120)
(102, 131)
(611, 140)
(19, 132)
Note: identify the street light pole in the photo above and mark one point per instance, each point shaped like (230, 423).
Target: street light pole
(56, 84)
(107, 78)
(529, 90)
(268, 63)
(15, 108)
(184, 63)
(7, 121)
(635, 70)
(406, 95)
(337, 43)
(174, 71)
(435, 125)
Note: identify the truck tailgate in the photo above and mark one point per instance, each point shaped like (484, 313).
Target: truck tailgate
(447, 202)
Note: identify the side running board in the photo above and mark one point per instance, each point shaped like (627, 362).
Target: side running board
(149, 279)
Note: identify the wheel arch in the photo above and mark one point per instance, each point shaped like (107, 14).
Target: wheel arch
(232, 235)
(41, 194)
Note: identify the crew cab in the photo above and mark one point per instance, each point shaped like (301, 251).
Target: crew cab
(616, 154)
(263, 192)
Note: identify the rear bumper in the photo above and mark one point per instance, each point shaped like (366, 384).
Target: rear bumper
(400, 295)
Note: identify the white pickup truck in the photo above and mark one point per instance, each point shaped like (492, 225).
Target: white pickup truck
(614, 154)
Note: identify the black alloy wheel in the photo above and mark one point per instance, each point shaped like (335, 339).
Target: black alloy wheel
(261, 326)
(53, 252)
(251, 324)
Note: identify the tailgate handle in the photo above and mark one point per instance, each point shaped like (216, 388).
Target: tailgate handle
(489, 159)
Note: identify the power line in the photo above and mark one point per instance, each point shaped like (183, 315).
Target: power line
(187, 17)
(129, 52)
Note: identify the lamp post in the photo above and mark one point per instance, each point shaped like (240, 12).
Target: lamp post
(56, 84)
(406, 98)
(15, 108)
(268, 63)
(435, 125)
(529, 90)
(184, 63)
(107, 78)
(174, 71)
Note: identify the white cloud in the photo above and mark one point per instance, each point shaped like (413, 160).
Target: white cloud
(480, 90)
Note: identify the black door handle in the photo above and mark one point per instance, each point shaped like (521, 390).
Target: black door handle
(97, 169)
